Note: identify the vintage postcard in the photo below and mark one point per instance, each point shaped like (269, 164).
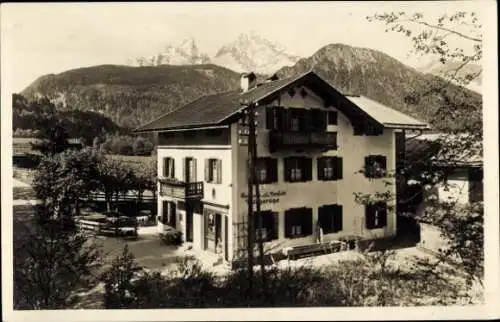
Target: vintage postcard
(249, 161)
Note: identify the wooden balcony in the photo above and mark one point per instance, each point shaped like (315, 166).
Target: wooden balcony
(283, 140)
(181, 189)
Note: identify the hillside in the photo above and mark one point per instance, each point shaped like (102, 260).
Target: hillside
(131, 96)
(382, 78)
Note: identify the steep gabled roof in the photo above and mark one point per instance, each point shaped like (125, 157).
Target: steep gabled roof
(217, 109)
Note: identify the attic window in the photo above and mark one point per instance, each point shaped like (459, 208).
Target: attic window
(291, 92)
(303, 93)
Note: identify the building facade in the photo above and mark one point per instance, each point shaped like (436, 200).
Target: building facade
(316, 148)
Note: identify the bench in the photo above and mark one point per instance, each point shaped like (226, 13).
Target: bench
(313, 249)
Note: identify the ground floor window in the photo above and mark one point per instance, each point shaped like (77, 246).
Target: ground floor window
(269, 227)
(330, 218)
(376, 215)
(298, 222)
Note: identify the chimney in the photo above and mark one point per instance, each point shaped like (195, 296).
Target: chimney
(247, 81)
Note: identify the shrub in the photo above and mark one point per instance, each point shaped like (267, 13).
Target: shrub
(172, 237)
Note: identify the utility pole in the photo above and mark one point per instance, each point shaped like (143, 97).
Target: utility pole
(251, 178)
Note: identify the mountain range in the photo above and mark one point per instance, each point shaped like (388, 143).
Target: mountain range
(249, 52)
(134, 95)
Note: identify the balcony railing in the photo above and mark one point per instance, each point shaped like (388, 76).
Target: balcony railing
(181, 189)
(281, 140)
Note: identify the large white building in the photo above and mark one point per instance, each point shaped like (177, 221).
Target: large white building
(312, 141)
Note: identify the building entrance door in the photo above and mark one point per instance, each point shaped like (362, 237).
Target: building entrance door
(189, 222)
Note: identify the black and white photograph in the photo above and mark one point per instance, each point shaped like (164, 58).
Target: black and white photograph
(278, 160)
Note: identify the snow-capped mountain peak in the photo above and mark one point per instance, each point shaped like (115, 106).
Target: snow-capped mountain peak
(252, 52)
(248, 52)
(184, 53)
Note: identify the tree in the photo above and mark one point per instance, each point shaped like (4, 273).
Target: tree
(51, 264)
(117, 280)
(61, 180)
(114, 178)
(54, 138)
(455, 38)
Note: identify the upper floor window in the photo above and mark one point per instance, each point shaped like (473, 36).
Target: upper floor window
(332, 118)
(376, 215)
(213, 170)
(168, 167)
(330, 218)
(298, 222)
(375, 166)
(298, 169)
(329, 168)
(190, 170)
(266, 170)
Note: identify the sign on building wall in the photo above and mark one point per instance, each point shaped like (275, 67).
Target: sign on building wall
(267, 197)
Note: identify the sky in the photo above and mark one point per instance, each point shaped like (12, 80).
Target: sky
(43, 38)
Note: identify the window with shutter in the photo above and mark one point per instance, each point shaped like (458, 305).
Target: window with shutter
(375, 166)
(168, 167)
(298, 222)
(330, 218)
(273, 170)
(376, 215)
(269, 228)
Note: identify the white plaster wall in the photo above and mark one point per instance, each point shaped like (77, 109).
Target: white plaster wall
(213, 193)
(314, 194)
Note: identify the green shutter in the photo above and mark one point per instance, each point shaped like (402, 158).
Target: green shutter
(338, 168)
(306, 164)
(286, 169)
(308, 221)
(320, 168)
(219, 171)
(272, 170)
(368, 167)
(382, 214)
(195, 173)
(207, 170)
(270, 118)
(275, 226)
(288, 223)
(338, 220)
(172, 174)
(369, 216)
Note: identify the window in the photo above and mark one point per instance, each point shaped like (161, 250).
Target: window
(375, 166)
(269, 225)
(298, 222)
(376, 215)
(298, 169)
(330, 218)
(190, 170)
(329, 168)
(213, 170)
(266, 170)
(168, 167)
(332, 118)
